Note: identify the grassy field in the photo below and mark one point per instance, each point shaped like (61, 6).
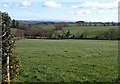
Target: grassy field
(92, 31)
(67, 60)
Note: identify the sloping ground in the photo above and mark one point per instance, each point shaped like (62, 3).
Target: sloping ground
(91, 31)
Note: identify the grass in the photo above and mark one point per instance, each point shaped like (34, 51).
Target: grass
(92, 31)
(13, 30)
(67, 60)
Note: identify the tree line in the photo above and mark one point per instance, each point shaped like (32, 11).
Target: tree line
(35, 31)
(83, 23)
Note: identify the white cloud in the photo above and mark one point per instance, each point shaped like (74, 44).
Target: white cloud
(52, 4)
(115, 1)
(17, 4)
(98, 5)
(5, 5)
(80, 12)
(26, 3)
(75, 6)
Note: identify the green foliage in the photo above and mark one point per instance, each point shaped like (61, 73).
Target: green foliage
(19, 33)
(8, 49)
(111, 34)
(66, 34)
(60, 26)
(38, 32)
(59, 30)
(92, 31)
(14, 24)
(68, 60)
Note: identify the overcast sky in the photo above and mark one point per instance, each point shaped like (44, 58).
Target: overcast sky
(72, 10)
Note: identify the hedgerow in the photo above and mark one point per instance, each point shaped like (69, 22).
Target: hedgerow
(10, 62)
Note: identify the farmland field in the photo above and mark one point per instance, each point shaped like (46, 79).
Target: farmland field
(92, 31)
(67, 60)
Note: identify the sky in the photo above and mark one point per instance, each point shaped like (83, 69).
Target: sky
(65, 10)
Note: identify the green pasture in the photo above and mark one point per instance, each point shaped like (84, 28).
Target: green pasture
(67, 60)
(91, 31)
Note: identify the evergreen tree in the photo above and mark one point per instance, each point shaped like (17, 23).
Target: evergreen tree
(13, 23)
